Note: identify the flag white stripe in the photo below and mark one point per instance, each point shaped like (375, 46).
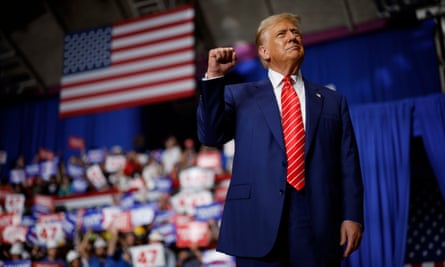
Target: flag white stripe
(171, 45)
(109, 85)
(129, 67)
(153, 22)
(143, 93)
(151, 36)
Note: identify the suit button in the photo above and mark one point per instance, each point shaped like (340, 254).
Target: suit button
(284, 163)
(281, 191)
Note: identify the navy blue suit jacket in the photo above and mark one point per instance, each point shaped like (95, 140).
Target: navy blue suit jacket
(248, 112)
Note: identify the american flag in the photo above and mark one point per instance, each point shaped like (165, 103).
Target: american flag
(134, 62)
(425, 246)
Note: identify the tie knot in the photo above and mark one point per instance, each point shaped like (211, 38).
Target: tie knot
(287, 82)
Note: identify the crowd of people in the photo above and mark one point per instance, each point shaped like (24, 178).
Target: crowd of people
(155, 179)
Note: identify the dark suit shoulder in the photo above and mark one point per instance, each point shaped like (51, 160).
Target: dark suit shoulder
(325, 91)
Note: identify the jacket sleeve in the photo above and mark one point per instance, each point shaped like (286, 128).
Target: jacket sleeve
(214, 114)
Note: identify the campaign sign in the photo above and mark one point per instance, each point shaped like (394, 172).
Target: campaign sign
(53, 217)
(95, 156)
(122, 221)
(127, 200)
(209, 212)
(43, 205)
(17, 263)
(17, 176)
(9, 219)
(213, 258)
(32, 169)
(142, 215)
(210, 159)
(75, 170)
(28, 220)
(196, 178)
(148, 255)
(163, 184)
(96, 176)
(14, 233)
(164, 216)
(186, 201)
(76, 142)
(109, 215)
(50, 231)
(114, 163)
(15, 203)
(92, 219)
(79, 185)
(192, 233)
(48, 169)
(168, 231)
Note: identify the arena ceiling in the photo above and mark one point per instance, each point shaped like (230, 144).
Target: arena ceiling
(32, 31)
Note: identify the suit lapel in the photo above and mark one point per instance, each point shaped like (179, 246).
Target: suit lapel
(314, 105)
(265, 98)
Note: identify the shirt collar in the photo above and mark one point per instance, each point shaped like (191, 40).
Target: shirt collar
(276, 78)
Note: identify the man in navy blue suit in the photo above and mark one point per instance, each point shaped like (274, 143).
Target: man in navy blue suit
(267, 222)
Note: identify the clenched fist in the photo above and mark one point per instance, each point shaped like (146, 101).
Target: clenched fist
(221, 60)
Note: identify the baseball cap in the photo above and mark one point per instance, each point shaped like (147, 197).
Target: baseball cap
(72, 255)
(100, 243)
(156, 236)
(52, 244)
(16, 249)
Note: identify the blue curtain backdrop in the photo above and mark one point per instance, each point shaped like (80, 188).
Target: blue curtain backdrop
(35, 124)
(383, 136)
(384, 132)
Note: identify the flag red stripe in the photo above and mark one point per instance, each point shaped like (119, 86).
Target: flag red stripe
(136, 102)
(71, 86)
(158, 55)
(153, 16)
(127, 89)
(152, 29)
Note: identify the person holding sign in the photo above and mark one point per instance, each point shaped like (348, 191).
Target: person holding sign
(296, 192)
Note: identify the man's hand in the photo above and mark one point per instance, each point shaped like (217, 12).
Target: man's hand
(221, 60)
(351, 235)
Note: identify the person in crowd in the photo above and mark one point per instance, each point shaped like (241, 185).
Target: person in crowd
(53, 253)
(190, 257)
(100, 256)
(17, 252)
(296, 194)
(73, 259)
(171, 155)
(188, 157)
(65, 188)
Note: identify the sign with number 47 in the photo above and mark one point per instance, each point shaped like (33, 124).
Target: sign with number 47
(148, 255)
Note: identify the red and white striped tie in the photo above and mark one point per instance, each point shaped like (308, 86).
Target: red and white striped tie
(293, 132)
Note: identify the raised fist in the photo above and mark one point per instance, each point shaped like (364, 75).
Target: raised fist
(221, 60)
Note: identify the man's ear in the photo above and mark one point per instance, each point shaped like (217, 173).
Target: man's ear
(263, 52)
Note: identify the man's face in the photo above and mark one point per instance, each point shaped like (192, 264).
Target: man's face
(282, 43)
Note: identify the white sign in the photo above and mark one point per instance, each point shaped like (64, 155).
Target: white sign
(142, 215)
(96, 176)
(12, 234)
(197, 178)
(186, 201)
(15, 203)
(148, 255)
(115, 163)
(50, 231)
